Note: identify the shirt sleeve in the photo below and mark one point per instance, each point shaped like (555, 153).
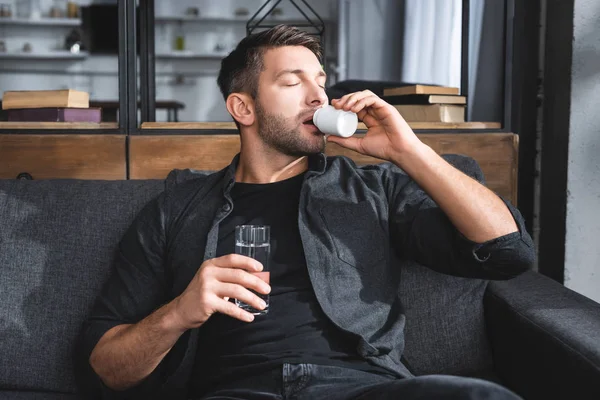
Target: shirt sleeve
(421, 231)
(135, 288)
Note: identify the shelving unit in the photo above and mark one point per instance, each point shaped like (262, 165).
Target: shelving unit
(41, 21)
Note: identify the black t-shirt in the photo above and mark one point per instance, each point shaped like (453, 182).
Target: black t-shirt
(295, 330)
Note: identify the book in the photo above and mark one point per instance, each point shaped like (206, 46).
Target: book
(93, 114)
(432, 113)
(45, 98)
(420, 89)
(425, 99)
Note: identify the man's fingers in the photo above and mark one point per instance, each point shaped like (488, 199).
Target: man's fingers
(238, 261)
(362, 114)
(351, 143)
(368, 119)
(360, 104)
(341, 100)
(348, 101)
(242, 278)
(232, 290)
(228, 308)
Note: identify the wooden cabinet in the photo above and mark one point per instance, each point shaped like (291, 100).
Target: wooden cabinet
(153, 156)
(48, 156)
(94, 156)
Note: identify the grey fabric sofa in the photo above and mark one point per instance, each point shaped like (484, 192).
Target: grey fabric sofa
(57, 239)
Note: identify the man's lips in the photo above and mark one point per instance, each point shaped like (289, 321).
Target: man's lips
(312, 128)
(308, 119)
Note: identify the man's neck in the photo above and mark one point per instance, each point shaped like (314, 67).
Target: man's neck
(268, 167)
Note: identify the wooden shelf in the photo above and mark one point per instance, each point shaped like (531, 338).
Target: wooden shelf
(41, 21)
(361, 126)
(58, 125)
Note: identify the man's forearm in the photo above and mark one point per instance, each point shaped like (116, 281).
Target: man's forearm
(127, 354)
(478, 213)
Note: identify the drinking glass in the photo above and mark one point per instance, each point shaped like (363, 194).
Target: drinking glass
(254, 241)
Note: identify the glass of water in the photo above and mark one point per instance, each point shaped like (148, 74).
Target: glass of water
(254, 241)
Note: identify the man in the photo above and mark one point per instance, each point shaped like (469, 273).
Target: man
(165, 324)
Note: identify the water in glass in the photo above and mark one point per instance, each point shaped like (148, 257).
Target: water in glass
(253, 242)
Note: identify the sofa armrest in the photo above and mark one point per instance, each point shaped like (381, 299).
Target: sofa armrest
(545, 338)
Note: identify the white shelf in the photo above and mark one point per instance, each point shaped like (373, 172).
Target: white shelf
(55, 55)
(185, 18)
(191, 55)
(41, 21)
(244, 19)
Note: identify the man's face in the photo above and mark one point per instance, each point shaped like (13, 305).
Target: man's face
(290, 89)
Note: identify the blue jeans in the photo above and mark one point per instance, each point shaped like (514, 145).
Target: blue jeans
(310, 381)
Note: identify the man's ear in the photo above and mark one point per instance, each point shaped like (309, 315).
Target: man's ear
(241, 108)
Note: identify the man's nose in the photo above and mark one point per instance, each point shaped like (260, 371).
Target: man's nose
(317, 97)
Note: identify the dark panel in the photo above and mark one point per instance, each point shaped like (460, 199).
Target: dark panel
(147, 61)
(523, 105)
(555, 137)
(123, 73)
(464, 54)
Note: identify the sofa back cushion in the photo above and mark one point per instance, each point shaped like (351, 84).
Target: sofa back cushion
(57, 241)
(445, 327)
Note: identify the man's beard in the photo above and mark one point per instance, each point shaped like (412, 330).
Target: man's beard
(275, 131)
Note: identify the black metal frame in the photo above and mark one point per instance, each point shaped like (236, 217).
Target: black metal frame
(555, 139)
(147, 62)
(509, 15)
(127, 13)
(255, 23)
(522, 113)
(464, 53)
(251, 26)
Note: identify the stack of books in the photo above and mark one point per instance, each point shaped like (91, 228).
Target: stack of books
(426, 103)
(50, 106)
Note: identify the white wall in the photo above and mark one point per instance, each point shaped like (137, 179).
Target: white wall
(582, 252)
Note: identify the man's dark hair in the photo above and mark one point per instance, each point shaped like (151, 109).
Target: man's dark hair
(241, 68)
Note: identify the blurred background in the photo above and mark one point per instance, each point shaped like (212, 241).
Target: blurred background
(50, 44)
